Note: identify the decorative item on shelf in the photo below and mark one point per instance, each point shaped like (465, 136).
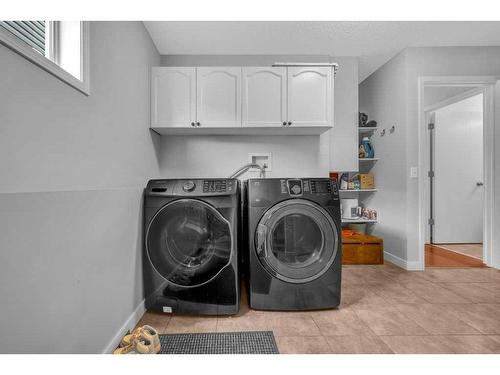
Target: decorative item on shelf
(344, 181)
(369, 214)
(350, 208)
(349, 181)
(364, 123)
(366, 149)
(354, 183)
(367, 181)
(363, 119)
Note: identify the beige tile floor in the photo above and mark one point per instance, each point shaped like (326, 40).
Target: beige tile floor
(384, 309)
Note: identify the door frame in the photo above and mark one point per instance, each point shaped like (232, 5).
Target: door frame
(486, 85)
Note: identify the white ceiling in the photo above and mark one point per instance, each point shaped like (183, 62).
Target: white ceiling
(373, 42)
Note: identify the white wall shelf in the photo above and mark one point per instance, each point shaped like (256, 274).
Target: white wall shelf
(358, 221)
(357, 190)
(368, 164)
(367, 130)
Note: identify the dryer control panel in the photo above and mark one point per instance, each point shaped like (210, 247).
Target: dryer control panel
(264, 192)
(296, 187)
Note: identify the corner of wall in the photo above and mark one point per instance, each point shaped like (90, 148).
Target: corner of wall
(129, 325)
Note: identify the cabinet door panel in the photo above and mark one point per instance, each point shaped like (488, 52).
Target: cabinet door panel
(219, 96)
(264, 96)
(310, 96)
(173, 97)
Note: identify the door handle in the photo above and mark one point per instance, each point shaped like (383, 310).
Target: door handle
(479, 183)
(262, 241)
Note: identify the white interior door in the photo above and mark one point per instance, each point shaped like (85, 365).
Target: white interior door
(310, 96)
(219, 96)
(173, 97)
(458, 197)
(264, 96)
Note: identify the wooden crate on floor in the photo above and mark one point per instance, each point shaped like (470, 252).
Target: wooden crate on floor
(362, 249)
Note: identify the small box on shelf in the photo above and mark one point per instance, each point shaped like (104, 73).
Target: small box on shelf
(367, 181)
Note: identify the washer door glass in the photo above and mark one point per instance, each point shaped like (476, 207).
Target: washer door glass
(296, 240)
(189, 242)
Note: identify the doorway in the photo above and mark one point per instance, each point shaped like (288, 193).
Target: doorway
(456, 173)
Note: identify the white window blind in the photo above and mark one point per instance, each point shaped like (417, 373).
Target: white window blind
(30, 32)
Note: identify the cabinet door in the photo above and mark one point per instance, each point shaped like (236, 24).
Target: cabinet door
(264, 96)
(219, 96)
(310, 96)
(173, 97)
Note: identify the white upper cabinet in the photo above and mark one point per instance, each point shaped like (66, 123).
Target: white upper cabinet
(173, 97)
(310, 96)
(242, 100)
(219, 96)
(264, 97)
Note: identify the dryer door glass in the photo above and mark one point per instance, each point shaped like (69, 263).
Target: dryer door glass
(189, 242)
(297, 240)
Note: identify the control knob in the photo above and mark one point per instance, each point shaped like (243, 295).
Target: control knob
(189, 186)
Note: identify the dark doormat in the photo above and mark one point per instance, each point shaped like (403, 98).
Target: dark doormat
(258, 342)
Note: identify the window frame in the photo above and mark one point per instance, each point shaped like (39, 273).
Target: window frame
(45, 62)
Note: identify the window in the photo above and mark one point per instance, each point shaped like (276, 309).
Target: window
(59, 47)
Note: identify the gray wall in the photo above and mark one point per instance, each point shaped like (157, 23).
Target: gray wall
(203, 156)
(382, 96)
(73, 168)
(431, 61)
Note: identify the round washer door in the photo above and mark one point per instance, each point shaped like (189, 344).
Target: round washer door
(296, 241)
(189, 242)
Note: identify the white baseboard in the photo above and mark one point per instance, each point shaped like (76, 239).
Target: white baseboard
(409, 266)
(414, 266)
(129, 324)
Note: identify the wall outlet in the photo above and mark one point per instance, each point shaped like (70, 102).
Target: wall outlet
(413, 172)
(260, 158)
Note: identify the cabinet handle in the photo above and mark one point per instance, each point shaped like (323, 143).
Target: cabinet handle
(198, 124)
(284, 123)
(289, 123)
(192, 124)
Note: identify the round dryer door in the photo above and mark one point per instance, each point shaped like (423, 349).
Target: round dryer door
(296, 241)
(189, 242)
